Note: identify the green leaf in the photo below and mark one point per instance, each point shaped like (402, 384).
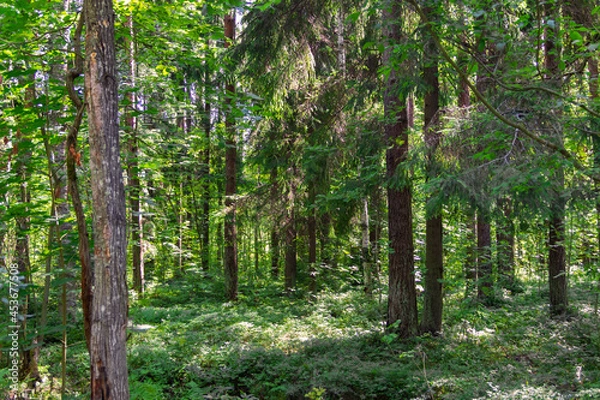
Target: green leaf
(576, 37)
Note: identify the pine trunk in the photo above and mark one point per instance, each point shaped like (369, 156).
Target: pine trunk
(402, 299)
(434, 248)
(230, 253)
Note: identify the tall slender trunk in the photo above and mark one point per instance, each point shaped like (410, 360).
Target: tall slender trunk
(291, 268)
(595, 127)
(206, 171)
(29, 365)
(133, 170)
(108, 355)
(375, 230)
(72, 160)
(274, 193)
(230, 256)
(470, 263)
(366, 255)
(484, 84)
(484, 257)
(434, 249)
(402, 299)
(312, 236)
(505, 243)
(557, 271)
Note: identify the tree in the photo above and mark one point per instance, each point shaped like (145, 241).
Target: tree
(133, 175)
(434, 250)
(557, 275)
(402, 300)
(108, 356)
(230, 256)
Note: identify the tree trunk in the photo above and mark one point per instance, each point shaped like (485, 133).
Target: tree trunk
(367, 262)
(595, 127)
(402, 300)
(312, 237)
(72, 160)
(434, 248)
(206, 171)
(505, 243)
(274, 193)
(291, 268)
(29, 366)
(133, 170)
(484, 258)
(108, 355)
(470, 264)
(230, 256)
(557, 271)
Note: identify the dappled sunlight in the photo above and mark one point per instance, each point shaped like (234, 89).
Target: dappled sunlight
(277, 346)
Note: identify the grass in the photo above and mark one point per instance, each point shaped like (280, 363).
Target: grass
(271, 346)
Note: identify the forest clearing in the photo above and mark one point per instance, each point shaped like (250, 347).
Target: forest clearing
(290, 199)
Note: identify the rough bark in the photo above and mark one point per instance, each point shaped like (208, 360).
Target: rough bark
(230, 237)
(402, 299)
(108, 356)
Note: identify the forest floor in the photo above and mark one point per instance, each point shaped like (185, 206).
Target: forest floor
(186, 343)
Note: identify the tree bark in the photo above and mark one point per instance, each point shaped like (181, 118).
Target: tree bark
(434, 249)
(230, 254)
(402, 298)
(484, 84)
(29, 365)
(72, 159)
(557, 271)
(291, 267)
(206, 170)
(133, 171)
(108, 355)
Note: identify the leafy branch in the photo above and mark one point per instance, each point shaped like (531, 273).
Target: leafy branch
(522, 128)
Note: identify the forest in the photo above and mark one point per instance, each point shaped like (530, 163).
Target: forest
(299, 199)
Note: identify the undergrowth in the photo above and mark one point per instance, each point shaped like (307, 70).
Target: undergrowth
(333, 346)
